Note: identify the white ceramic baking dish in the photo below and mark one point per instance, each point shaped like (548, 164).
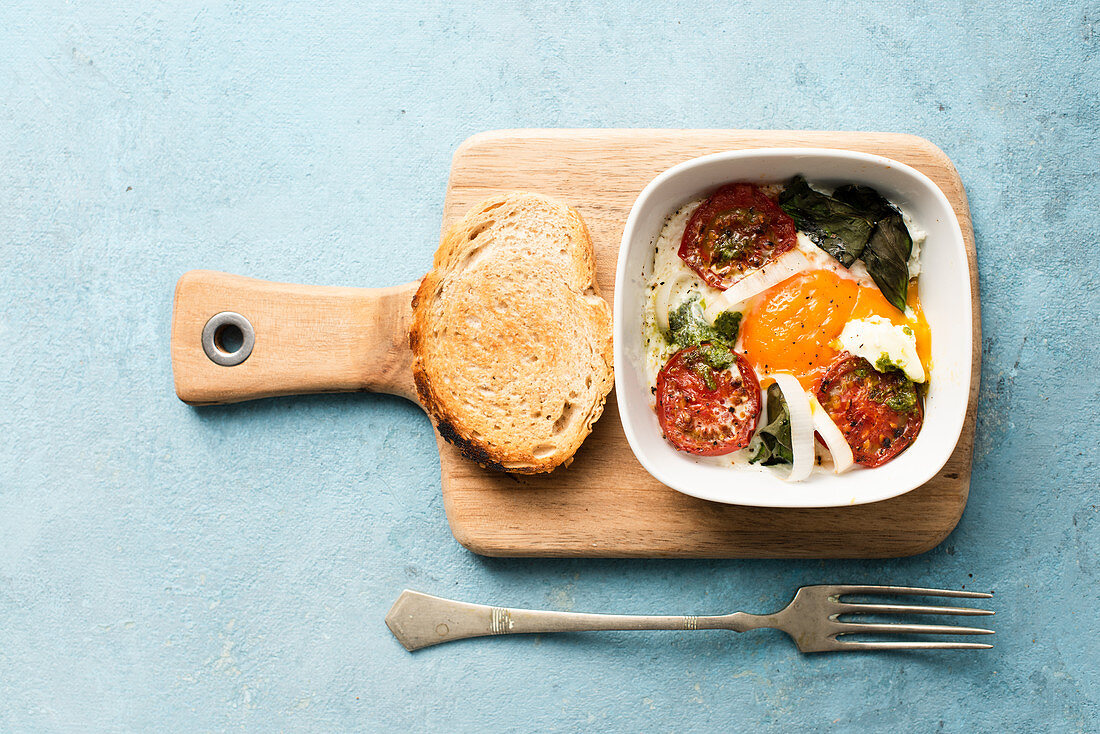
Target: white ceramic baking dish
(945, 296)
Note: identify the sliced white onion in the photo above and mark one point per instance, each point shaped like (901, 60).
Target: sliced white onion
(758, 281)
(663, 303)
(802, 426)
(834, 439)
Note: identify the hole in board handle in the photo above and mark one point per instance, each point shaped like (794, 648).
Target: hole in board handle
(228, 338)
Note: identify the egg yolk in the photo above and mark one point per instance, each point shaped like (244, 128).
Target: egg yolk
(791, 327)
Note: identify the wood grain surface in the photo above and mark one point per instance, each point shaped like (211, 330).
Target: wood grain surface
(309, 339)
(323, 339)
(606, 504)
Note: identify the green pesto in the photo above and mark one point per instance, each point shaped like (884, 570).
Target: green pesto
(687, 325)
(728, 324)
(704, 371)
(715, 356)
(903, 399)
(885, 364)
(729, 247)
(710, 358)
(688, 328)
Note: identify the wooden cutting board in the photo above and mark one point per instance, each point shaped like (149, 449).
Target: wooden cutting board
(605, 503)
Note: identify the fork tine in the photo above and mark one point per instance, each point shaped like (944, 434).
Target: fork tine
(910, 591)
(852, 608)
(859, 628)
(912, 646)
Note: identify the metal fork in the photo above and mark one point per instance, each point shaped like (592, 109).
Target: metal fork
(812, 620)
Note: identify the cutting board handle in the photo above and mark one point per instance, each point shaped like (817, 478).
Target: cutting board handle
(294, 339)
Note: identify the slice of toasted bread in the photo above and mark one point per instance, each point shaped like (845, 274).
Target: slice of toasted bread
(511, 340)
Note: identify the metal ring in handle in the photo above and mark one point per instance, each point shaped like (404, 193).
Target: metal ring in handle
(211, 335)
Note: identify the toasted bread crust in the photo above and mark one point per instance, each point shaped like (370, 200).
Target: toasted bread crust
(511, 340)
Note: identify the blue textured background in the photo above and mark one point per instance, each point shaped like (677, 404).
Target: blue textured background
(169, 568)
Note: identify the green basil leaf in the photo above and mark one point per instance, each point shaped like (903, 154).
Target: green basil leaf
(865, 199)
(837, 227)
(887, 258)
(890, 245)
(773, 442)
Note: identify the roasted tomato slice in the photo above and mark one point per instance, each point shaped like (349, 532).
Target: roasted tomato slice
(879, 413)
(708, 400)
(737, 230)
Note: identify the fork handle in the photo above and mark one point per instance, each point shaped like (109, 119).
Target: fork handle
(420, 620)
